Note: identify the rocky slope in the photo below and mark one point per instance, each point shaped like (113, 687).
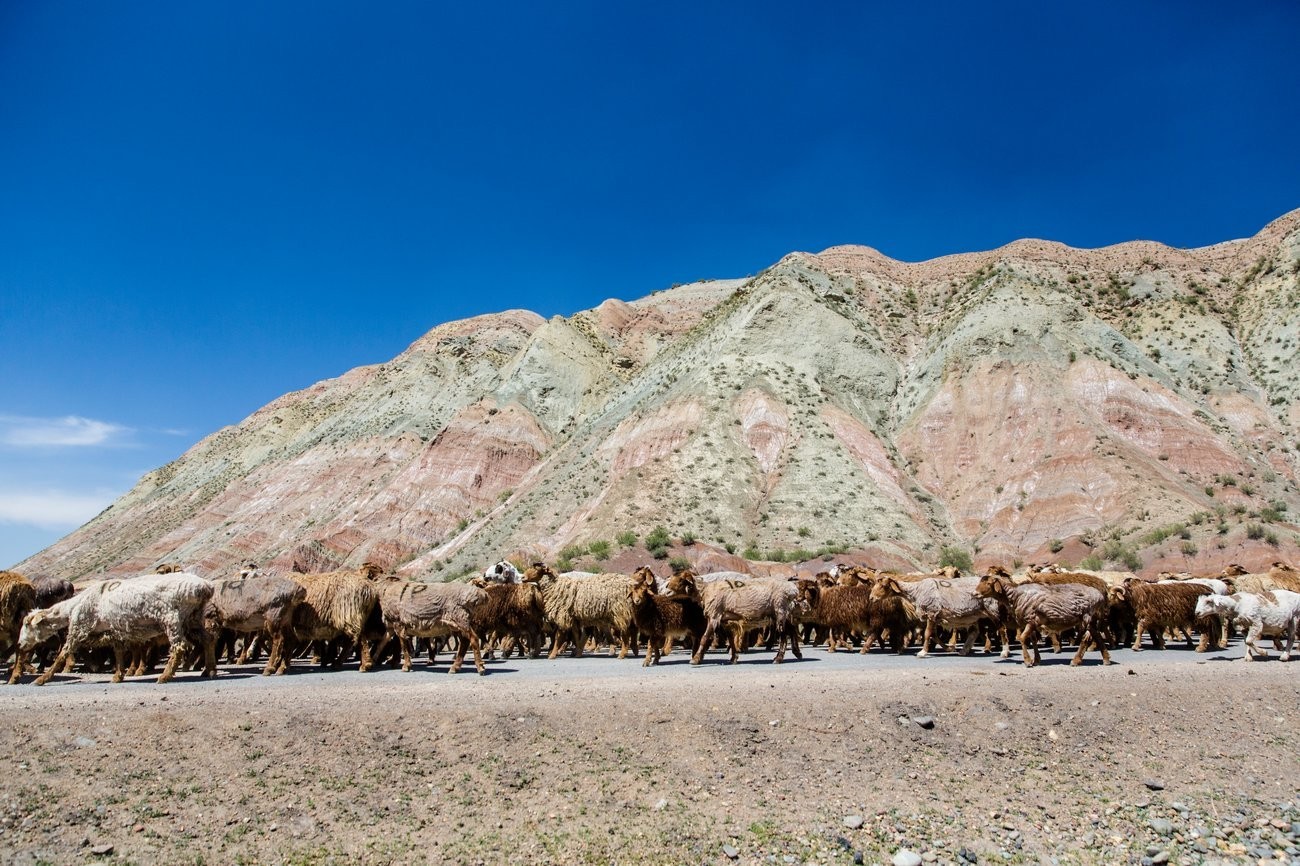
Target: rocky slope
(1134, 404)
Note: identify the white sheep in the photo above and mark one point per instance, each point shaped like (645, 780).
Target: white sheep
(1267, 614)
(123, 613)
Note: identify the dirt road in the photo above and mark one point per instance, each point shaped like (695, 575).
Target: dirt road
(1160, 756)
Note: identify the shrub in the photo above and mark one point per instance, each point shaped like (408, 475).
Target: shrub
(1091, 562)
(1055, 545)
(658, 537)
(957, 557)
(627, 538)
(1254, 531)
(688, 538)
(599, 549)
(1188, 548)
(677, 563)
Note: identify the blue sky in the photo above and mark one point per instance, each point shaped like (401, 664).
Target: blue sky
(205, 205)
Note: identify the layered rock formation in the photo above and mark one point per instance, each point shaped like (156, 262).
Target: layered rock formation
(1135, 404)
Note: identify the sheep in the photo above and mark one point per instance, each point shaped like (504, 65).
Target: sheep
(253, 606)
(502, 572)
(950, 604)
(123, 613)
(1157, 606)
(662, 617)
(1110, 578)
(1272, 613)
(1051, 607)
(17, 598)
(339, 604)
(772, 601)
(843, 610)
(412, 610)
(1057, 576)
(575, 605)
(52, 590)
(514, 612)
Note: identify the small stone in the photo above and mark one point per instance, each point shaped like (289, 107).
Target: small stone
(858, 858)
(1159, 857)
(774, 723)
(83, 742)
(926, 722)
(1162, 826)
(101, 850)
(853, 822)
(730, 853)
(662, 804)
(904, 857)
(1154, 784)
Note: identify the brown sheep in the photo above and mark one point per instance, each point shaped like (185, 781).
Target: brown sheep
(1157, 606)
(412, 610)
(778, 603)
(252, 606)
(843, 611)
(943, 602)
(17, 599)
(514, 612)
(1051, 607)
(662, 617)
(577, 605)
(339, 604)
(52, 590)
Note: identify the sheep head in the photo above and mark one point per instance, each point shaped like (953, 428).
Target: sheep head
(643, 576)
(539, 571)
(886, 587)
(39, 626)
(370, 571)
(1233, 570)
(992, 586)
(683, 584)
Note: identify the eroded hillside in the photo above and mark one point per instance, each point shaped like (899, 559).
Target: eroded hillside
(1134, 405)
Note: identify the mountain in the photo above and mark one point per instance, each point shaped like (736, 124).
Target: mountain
(1133, 404)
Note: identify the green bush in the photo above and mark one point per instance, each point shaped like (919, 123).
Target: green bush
(1091, 562)
(678, 563)
(1055, 545)
(626, 538)
(957, 557)
(658, 537)
(599, 549)
(1254, 531)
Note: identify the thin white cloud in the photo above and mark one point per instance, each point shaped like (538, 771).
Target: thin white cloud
(70, 431)
(52, 509)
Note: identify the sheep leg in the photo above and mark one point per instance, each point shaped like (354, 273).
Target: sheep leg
(1290, 639)
(367, 661)
(971, 633)
(277, 648)
(1023, 637)
(209, 655)
(925, 641)
(20, 662)
(1252, 642)
(65, 654)
(698, 655)
(794, 641)
(1085, 641)
(1137, 635)
(781, 634)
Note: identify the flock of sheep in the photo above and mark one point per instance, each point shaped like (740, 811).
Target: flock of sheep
(46, 625)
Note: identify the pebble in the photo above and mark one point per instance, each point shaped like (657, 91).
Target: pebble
(730, 853)
(101, 850)
(1163, 826)
(662, 804)
(83, 742)
(1154, 784)
(853, 822)
(904, 857)
(1160, 857)
(926, 722)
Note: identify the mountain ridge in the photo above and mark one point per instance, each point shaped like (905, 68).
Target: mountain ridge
(1017, 403)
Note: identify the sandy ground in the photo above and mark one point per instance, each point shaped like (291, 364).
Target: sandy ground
(1162, 756)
